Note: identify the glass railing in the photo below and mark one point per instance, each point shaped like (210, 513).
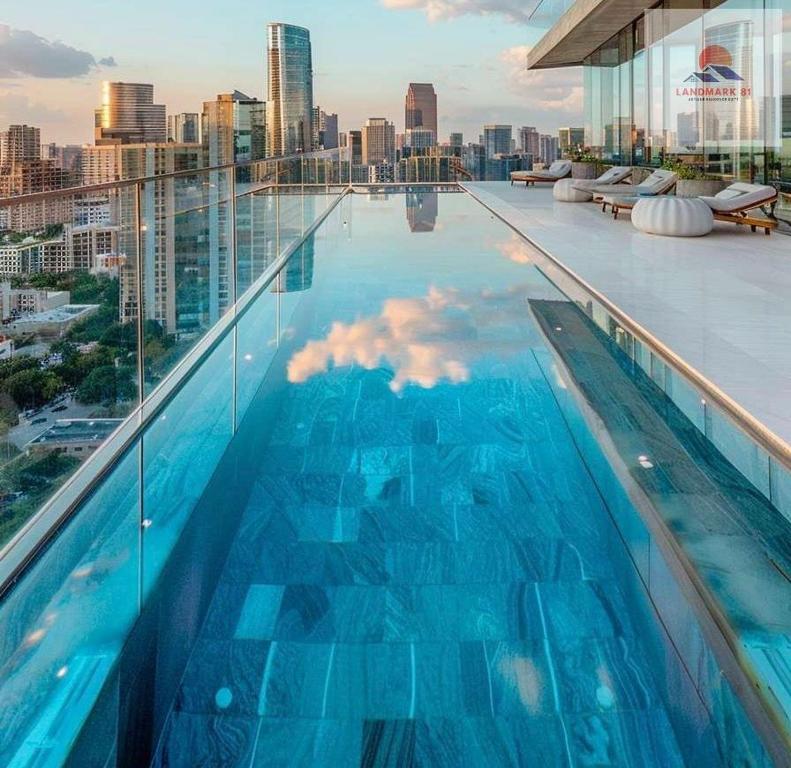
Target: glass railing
(141, 392)
(105, 291)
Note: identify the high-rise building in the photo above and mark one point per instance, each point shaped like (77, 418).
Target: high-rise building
(550, 150)
(355, 143)
(421, 107)
(456, 140)
(289, 90)
(497, 140)
(329, 130)
(378, 142)
(529, 141)
(18, 143)
(569, 138)
(420, 138)
(325, 129)
(128, 115)
(67, 158)
(184, 128)
(233, 127)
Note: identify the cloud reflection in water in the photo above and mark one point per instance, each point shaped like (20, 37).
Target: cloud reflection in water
(425, 340)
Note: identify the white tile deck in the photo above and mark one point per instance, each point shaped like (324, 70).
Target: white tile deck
(721, 302)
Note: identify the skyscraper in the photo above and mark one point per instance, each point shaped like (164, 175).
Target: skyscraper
(421, 107)
(550, 150)
(128, 115)
(355, 143)
(18, 143)
(497, 140)
(325, 129)
(289, 90)
(234, 128)
(184, 128)
(529, 141)
(420, 138)
(378, 141)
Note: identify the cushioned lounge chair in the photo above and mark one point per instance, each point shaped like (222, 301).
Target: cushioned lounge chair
(735, 203)
(660, 182)
(615, 175)
(558, 170)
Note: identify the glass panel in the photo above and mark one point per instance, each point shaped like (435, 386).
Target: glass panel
(256, 346)
(187, 261)
(257, 237)
(181, 449)
(68, 365)
(781, 487)
(65, 623)
(733, 130)
(742, 452)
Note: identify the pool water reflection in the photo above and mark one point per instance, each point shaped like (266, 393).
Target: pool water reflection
(423, 574)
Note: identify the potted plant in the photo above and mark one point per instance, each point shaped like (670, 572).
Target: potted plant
(692, 182)
(584, 164)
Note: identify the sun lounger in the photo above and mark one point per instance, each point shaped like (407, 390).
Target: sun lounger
(660, 182)
(560, 169)
(615, 175)
(736, 202)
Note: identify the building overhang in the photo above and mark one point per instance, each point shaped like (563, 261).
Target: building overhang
(589, 24)
(583, 28)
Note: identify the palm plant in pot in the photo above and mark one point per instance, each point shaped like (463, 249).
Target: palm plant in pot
(584, 164)
(693, 182)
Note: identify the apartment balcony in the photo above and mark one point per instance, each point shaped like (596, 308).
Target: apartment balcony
(414, 474)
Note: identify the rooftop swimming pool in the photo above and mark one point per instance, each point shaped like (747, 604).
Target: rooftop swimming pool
(420, 544)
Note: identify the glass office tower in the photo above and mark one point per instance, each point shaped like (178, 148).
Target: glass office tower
(290, 90)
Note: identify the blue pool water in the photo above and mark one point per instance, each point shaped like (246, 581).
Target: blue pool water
(423, 574)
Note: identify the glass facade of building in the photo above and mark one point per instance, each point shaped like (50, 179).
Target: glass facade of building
(290, 90)
(708, 86)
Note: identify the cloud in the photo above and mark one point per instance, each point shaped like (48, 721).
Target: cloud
(516, 11)
(516, 250)
(25, 54)
(425, 340)
(108, 61)
(549, 90)
(16, 107)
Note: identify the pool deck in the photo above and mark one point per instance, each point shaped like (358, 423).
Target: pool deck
(721, 302)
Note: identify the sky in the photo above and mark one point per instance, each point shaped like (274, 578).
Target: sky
(54, 55)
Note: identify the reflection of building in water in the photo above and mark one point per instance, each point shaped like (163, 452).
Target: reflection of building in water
(421, 211)
(297, 275)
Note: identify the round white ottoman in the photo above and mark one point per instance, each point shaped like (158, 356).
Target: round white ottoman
(564, 192)
(673, 216)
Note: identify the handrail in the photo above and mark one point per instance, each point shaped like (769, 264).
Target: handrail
(22, 549)
(777, 448)
(87, 189)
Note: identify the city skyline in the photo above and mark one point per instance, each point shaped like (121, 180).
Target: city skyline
(59, 92)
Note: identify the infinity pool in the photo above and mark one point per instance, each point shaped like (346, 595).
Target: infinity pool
(425, 572)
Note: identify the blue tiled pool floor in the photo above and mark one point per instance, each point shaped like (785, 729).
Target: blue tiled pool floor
(443, 602)
(422, 573)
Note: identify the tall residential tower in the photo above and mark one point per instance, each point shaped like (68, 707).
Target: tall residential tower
(421, 107)
(289, 90)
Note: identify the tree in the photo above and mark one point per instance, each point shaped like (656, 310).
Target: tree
(32, 388)
(106, 384)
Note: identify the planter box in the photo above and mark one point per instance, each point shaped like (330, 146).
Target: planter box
(699, 187)
(584, 170)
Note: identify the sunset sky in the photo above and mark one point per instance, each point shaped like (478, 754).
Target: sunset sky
(53, 56)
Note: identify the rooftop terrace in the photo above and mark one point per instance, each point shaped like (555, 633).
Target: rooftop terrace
(721, 302)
